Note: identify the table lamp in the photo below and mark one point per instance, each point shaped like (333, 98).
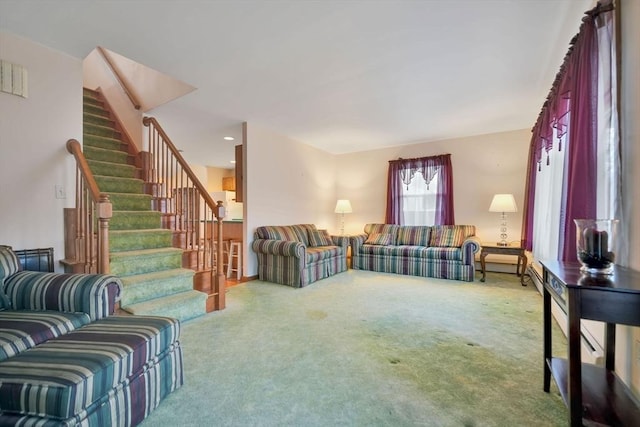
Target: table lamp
(342, 207)
(503, 203)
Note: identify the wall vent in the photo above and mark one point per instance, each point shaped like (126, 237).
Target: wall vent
(13, 79)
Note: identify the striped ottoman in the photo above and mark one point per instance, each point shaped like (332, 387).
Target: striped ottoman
(113, 371)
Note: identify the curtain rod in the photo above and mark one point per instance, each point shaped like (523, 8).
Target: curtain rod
(601, 7)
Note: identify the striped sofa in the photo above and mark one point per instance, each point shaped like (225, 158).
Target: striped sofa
(297, 255)
(445, 252)
(66, 360)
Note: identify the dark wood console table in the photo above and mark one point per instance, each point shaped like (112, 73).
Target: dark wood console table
(592, 393)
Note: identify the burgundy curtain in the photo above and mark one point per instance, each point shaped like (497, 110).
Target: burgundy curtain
(529, 198)
(571, 110)
(402, 171)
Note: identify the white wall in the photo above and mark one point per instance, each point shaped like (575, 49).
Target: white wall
(482, 166)
(33, 156)
(97, 75)
(286, 182)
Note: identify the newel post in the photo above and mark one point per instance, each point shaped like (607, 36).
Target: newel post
(105, 212)
(220, 281)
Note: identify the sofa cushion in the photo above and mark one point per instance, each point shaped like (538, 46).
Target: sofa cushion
(382, 239)
(449, 254)
(451, 236)
(9, 265)
(414, 235)
(277, 232)
(302, 231)
(65, 375)
(21, 330)
(315, 254)
(391, 229)
(320, 238)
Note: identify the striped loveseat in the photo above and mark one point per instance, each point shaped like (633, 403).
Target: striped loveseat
(297, 255)
(446, 252)
(65, 360)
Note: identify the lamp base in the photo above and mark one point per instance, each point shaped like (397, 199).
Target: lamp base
(503, 243)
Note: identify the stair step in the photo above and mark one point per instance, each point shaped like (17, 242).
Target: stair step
(114, 184)
(130, 201)
(92, 129)
(131, 240)
(100, 120)
(112, 169)
(102, 155)
(92, 100)
(183, 306)
(97, 109)
(148, 286)
(144, 261)
(135, 220)
(103, 142)
(89, 92)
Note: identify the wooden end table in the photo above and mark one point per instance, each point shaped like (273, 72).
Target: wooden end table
(504, 250)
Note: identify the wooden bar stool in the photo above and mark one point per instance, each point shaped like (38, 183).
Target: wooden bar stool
(235, 252)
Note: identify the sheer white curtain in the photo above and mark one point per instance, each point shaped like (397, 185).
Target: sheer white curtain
(609, 193)
(419, 201)
(548, 204)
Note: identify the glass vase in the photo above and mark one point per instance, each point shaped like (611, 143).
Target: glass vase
(596, 241)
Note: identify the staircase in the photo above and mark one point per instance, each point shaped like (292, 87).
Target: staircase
(140, 250)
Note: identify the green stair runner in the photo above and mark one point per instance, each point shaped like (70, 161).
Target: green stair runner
(140, 251)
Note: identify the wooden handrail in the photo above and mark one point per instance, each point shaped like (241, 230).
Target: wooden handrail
(93, 208)
(189, 210)
(205, 195)
(134, 100)
(73, 147)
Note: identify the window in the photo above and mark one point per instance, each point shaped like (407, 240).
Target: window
(419, 201)
(414, 200)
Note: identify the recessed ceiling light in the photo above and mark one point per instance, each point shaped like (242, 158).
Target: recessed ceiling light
(229, 138)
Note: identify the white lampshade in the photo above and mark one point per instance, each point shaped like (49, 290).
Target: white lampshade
(503, 203)
(343, 206)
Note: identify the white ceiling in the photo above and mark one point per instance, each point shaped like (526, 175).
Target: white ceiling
(343, 76)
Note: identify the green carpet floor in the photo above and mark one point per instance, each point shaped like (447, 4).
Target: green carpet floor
(368, 349)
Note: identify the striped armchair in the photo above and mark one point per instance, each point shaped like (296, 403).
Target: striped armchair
(445, 252)
(65, 359)
(297, 255)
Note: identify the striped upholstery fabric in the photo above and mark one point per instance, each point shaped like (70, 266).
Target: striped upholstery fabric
(316, 254)
(65, 376)
(21, 330)
(285, 256)
(391, 229)
(125, 405)
(279, 232)
(457, 263)
(414, 235)
(382, 239)
(302, 231)
(451, 236)
(320, 238)
(9, 265)
(94, 294)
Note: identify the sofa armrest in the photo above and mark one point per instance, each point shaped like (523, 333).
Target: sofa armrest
(279, 247)
(342, 241)
(356, 242)
(469, 248)
(94, 294)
